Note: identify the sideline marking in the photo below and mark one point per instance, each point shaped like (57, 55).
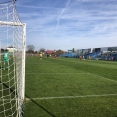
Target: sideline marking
(103, 77)
(78, 73)
(69, 97)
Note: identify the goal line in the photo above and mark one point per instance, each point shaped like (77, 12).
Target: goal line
(63, 97)
(69, 97)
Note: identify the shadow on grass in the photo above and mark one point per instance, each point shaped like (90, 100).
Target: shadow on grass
(1, 67)
(41, 107)
(12, 91)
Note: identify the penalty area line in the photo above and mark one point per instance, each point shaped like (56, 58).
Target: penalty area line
(103, 77)
(69, 97)
(58, 73)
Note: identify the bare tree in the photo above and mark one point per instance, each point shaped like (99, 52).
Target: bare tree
(42, 50)
(59, 52)
(30, 48)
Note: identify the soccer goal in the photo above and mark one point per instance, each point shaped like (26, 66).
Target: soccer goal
(12, 69)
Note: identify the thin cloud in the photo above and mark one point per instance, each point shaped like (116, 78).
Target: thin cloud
(71, 22)
(36, 7)
(59, 17)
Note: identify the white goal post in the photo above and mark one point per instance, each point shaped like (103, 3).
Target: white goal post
(23, 49)
(12, 72)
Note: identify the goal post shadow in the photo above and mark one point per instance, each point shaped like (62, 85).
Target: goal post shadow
(44, 109)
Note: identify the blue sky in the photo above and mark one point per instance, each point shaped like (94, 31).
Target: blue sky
(67, 24)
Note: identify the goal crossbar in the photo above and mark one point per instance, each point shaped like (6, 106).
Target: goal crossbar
(11, 23)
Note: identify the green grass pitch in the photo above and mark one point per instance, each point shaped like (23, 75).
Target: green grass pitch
(69, 87)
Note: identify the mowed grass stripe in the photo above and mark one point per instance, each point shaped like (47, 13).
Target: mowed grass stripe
(68, 84)
(50, 65)
(62, 85)
(73, 107)
(101, 62)
(108, 72)
(110, 64)
(75, 73)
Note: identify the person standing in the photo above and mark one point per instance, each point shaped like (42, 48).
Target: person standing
(40, 56)
(6, 60)
(47, 55)
(54, 57)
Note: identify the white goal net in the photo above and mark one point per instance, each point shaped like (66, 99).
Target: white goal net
(12, 61)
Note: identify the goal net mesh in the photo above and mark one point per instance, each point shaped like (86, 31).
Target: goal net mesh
(12, 72)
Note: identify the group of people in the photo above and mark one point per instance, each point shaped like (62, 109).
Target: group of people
(41, 55)
(6, 58)
(49, 55)
(83, 58)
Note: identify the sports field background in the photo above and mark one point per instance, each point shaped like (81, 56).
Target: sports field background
(69, 87)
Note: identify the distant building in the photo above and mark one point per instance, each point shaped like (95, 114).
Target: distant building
(70, 51)
(11, 49)
(50, 51)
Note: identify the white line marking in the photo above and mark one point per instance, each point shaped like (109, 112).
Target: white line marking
(78, 73)
(62, 97)
(58, 73)
(69, 97)
(103, 77)
(2, 99)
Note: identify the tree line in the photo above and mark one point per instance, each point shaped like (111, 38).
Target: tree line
(31, 49)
